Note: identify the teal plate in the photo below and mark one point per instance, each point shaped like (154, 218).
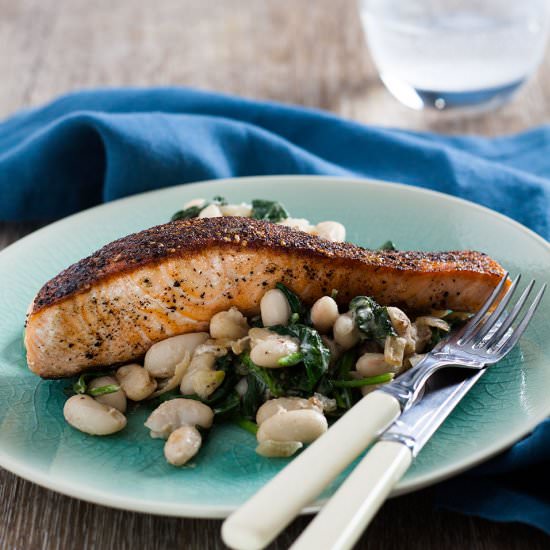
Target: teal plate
(128, 470)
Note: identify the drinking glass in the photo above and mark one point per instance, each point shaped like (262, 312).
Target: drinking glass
(471, 54)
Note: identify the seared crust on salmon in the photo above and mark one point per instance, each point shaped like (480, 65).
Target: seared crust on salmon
(111, 307)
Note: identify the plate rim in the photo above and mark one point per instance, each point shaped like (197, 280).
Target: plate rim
(209, 511)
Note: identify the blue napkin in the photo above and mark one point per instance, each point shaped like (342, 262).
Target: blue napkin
(100, 145)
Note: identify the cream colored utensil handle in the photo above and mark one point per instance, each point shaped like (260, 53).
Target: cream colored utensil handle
(346, 515)
(255, 524)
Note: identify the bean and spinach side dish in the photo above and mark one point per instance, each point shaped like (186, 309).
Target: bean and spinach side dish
(283, 375)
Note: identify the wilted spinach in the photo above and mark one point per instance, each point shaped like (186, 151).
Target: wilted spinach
(265, 376)
(315, 355)
(224, 393)
(81, 385)
(271, 211)
(388, 245)
(360, 382)
(194, 211)
(297, 309)
(228, 406)
(371, 318)
(245, 424)
(343, 396)
(254, 395)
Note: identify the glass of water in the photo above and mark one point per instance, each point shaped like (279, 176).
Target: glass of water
(469, 54)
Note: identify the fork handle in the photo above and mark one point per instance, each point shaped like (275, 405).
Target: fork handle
(255, 524)
(346, 515)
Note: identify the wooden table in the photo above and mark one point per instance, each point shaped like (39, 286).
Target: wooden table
(307, 52)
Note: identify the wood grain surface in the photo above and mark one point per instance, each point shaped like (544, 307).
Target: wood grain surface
(310, 52)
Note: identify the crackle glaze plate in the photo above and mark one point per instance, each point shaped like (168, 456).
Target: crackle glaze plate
(127, 470)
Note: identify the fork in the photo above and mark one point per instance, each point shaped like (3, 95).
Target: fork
(487, 337)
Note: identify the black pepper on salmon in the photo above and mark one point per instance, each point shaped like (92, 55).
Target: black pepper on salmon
(171, 279)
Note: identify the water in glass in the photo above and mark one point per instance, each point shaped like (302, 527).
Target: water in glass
(455, 53)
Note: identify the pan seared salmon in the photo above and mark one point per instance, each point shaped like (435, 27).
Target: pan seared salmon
(171, 279)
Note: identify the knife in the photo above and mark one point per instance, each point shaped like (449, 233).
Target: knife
(342, 520)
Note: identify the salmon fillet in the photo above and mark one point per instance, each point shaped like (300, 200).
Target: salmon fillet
(111, 307)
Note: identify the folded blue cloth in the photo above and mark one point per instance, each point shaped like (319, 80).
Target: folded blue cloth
(100, 145)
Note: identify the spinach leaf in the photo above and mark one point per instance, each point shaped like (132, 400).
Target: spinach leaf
(291, 360)
(345, 364)
(437, 336)
(343, 396)
(271, 211)
(188, 213)
(388, 245)
(247, 425)
(81, 385)
(228, 405)
(219, 201)
(225, 364)
(371, 318)
(297, 309)
(262, 375)
(104, 390)
(359, 382)
(256, 322)
(254, 395)
(168, 396)
(315, 355)
(194, 211)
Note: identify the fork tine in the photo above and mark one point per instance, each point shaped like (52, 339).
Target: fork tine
(512, 340)
(485, 325)
(475, 320)
(512, 316)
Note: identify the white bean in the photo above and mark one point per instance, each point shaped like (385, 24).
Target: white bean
(206, 382)
(117, 399)
(372, 364)
(332, 231)
(161, 358)
(301, 425)
(136, 382)
(86, 414)
(282, 405)
(399, 320)
(324, 403)
(274, 308)
(324, 313)
(259, 334)
(168, 384)
(230, 324)
(182, 445)
(403, 326)
(200, 362)
(278, 449)
(244, 210)
(346, 333)
(394, 350)
(435, 322)
(241, 345)
(267, 353)
(211, 211)
(175, 413)
(300, 224)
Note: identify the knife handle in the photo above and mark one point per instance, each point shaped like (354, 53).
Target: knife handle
(258, 521)
(346, 515)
